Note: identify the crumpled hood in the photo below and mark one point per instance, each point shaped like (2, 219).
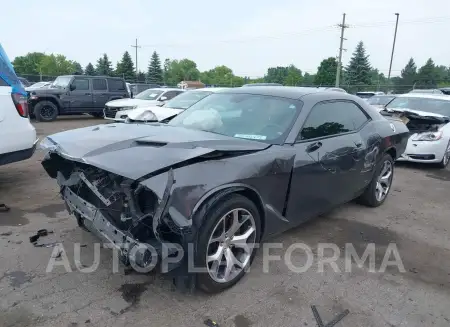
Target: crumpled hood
(160, 112)
(135, 150)
(419, 112)
(130, 102)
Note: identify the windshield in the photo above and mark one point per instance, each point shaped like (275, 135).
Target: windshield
(437, 106)
(62, 81)
(257, 117)
(379, 100)
(149, 94)
(186, 99)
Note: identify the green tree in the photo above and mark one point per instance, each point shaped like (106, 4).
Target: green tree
(28, 64)
(141, 77)
(166, 70)
(408, 77)
(378, 79)
(427, 76)
(184, 69)
(104, 66)
(54, 65)
(89, 70)
(155, 72)
(357, 73)
(294, 76)
(308, 79)
(276, 75)
(326, 73)
(220, 75)
(77, 68)
(125, 67)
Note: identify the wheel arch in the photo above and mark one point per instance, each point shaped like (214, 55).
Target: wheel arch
(392, 151)
(219, 192)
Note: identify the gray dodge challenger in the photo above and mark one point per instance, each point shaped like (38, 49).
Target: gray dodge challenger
(204, 187)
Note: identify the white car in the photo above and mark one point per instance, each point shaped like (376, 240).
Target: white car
(169, 109)
(149, 97)
(16, 132)
(428, 119)
(38, 85)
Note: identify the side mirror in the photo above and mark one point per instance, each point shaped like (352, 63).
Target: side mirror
(163, 98)
(72, 87)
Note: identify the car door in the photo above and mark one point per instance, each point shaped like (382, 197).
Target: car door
(329, 159)
(99, 93)
(80, 95)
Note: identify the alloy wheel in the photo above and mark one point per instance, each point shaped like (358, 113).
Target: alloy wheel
(384, 181)
(447, 155)
(47, 112)
(230, 246)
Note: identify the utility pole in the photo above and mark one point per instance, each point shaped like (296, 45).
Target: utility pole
(339, 65)
(393, 46)
(136, 46)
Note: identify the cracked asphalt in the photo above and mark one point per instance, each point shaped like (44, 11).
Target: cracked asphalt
(415, 217)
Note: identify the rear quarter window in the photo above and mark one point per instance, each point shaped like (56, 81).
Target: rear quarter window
(115, 85)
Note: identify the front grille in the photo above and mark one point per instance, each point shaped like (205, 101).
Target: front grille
(110, 112)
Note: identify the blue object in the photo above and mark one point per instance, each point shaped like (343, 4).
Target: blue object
(8, 74)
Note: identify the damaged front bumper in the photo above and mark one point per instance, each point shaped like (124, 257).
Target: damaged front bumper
(424, 151)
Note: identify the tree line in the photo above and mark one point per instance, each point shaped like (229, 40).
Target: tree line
(358, 75)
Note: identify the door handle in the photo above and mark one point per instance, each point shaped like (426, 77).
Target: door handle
(313, 146)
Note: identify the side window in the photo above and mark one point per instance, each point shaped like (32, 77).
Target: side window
(81, 84)
(171, 94)
(332, 118)
(99, 84)
(116, 85)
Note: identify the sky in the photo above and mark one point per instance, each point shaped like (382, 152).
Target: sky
(247, 36)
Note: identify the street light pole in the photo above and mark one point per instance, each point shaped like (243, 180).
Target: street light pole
(393, 47)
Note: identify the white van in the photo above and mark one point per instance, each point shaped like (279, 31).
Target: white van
(17, 135)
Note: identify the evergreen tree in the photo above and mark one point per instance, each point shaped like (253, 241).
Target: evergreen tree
(358, 71)
(408, 77)
(78, 70)
(166, 70)
(89, 70)
(104, 66)
(427, 77)
(125, 68)
(155, 72)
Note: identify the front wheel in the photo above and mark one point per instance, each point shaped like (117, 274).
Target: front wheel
(378, 189)
(45, 111)
(226, 244)
(446, 158)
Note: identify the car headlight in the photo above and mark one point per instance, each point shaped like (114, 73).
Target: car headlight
(429, 136)
(128, 108)
(47, 145)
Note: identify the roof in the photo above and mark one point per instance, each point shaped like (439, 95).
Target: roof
(211, 89)
(193, 83)
(290, 92)
(425, 95)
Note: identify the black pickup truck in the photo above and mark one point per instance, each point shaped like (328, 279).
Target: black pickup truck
(75, 94)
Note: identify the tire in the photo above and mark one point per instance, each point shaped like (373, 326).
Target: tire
(369, 197)
(446, 159)
(98, 115)
(45, 111)
(217, 212)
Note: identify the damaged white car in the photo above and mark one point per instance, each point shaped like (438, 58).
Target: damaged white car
(427, 117)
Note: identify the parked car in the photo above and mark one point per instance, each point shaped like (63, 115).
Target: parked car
(76, 94)
(24, 81)
(262, 84)
(150, 97)
(16, 132)
(380, 101)
(445, 90)
(428, 120)
(368, 94)
(427, 91)
(38, 85)
(219, 183)
(169, 109)
(138, 88)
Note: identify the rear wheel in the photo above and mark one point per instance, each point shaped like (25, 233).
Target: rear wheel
(45, 111)
(225, 246)
(378, 189)
(97, 114)
(446, 158)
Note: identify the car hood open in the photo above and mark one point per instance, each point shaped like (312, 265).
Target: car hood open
(135, 150)
(417, 114)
